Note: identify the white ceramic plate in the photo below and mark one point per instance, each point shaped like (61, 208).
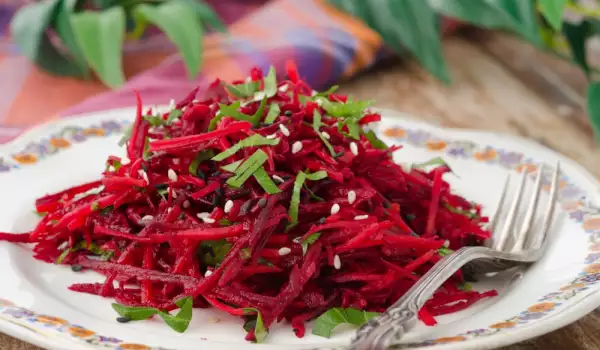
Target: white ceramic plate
(37, 307)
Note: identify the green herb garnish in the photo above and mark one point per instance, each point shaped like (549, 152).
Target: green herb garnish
(200, 157)
(247, 168)
(271, 83)
(260, 332)
(316, 126)
(213, 252)
(437, 161)
(329, 91)
(173, 115)
(126, 136)
(374, 140)
(231, 168)
(243, 90)
(443, 251)
(295, 201)
(178, 322)
(274, 111)
(328, 321)
(349, 109)
(250, 141)
(311, 239)
(265, 181)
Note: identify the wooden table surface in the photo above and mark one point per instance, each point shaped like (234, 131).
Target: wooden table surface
(503, 85)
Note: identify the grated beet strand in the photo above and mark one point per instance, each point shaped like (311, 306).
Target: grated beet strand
(314, 215)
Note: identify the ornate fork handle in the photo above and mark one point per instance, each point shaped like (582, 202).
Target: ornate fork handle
(389, 327)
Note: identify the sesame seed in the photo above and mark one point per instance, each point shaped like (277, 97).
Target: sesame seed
(447, 243)
(284, 130)
(203, 215)
(314, 93)
(325, 135)
(228, 206)
(214, 320)
(183, 108)
(319, 102)
(351, 197)
(195, 101)
(174, 194)
(278, 179)
(297, 239)
(208, 220)
(296, 147)
(172, 105)
(172, 175)
(144, 175)
(186, 204)
(284, 88)
(335, 209)
(284, 251)
(146, 219)
(361, 217)
(123, 319)
(176, 161)
(63, 245)
(354, 148)
(337, 263)
(272, 136)
(169, 210)
(207, 273)
(259, 95)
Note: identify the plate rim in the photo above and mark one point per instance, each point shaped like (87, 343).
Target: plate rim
(577, 310)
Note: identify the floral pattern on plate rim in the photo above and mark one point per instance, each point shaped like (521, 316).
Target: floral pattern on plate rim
(572, 199)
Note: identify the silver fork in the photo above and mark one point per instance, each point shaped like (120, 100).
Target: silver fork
(499, 253)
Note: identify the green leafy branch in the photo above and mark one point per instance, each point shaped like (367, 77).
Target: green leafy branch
(562, 27)
(78, 37)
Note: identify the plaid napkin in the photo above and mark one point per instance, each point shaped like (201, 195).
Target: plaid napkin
(327, 45)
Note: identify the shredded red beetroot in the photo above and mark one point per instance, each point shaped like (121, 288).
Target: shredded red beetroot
(264, 195)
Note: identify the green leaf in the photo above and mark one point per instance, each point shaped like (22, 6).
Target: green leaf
(274, 111)
(577, 35)
(374, 140)
(317, 126)
(260, 332)
(257, 116)
(63, 256)
(265, 181)
(250, 141)
(298, 183)
(181, 25)
(247, 169)
(593, 104)
(231, 168)
(437, 161)
(271, 83)
(326, 323)
(295, 200)
(404, 25)
(443, 251)
(328, 92)
(173, 115)
(232, 111)
(243, 90)
(64, 29)
(515, 15)
(311, 239)
(215, 251)
(28, 30)
(181, 321)
(353, 129)
(207, 15)
(316, 176)
(553, 11)
(135, 313)
(200, 157)
(345, 110)
(100, 36)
